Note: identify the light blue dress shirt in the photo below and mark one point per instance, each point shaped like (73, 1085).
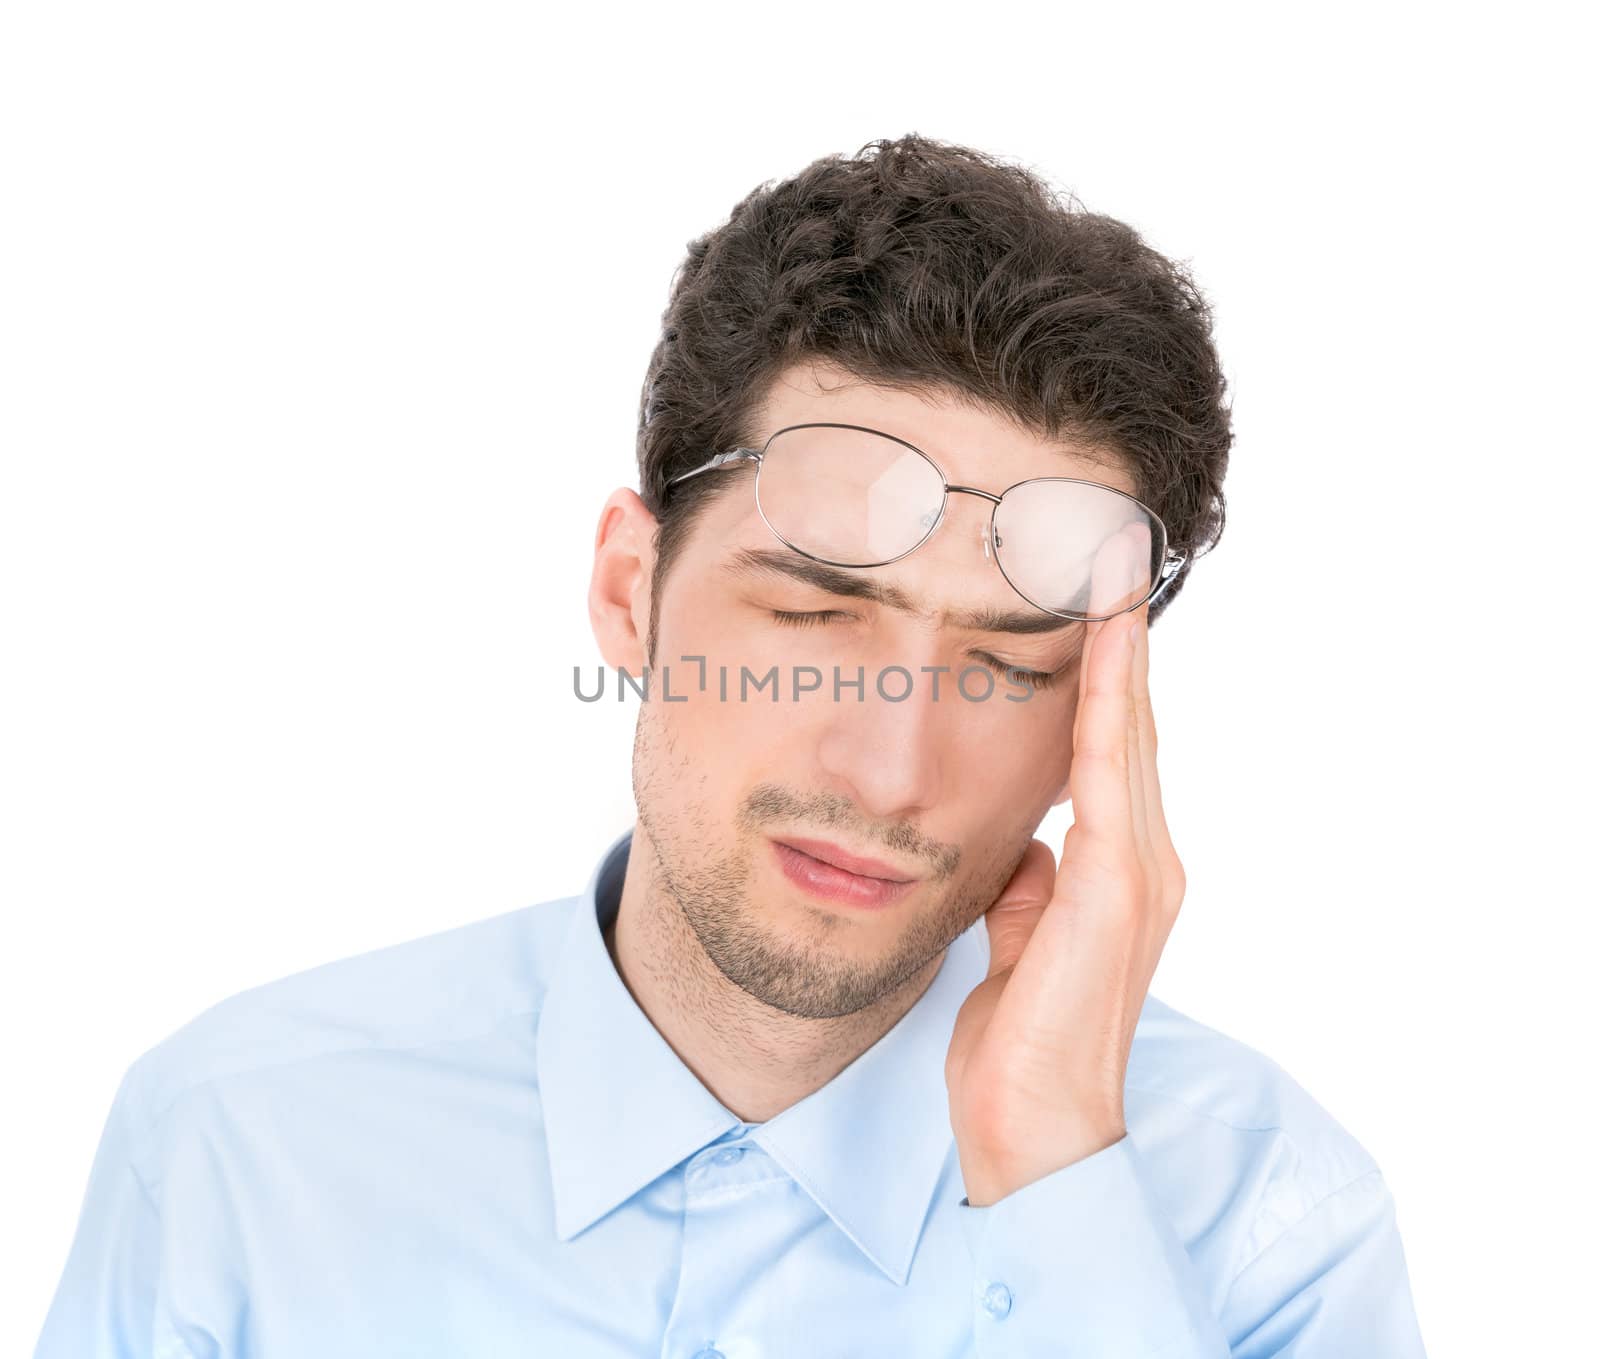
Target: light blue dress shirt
(475, 1145)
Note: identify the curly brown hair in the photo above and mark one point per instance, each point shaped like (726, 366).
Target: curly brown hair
(925, 266)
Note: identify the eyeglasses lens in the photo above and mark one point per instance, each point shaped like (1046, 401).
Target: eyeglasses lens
(855, 498)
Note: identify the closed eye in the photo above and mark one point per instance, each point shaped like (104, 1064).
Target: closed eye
(794, 619)
(1036, 679)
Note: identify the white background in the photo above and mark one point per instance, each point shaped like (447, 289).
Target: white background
(323, 333)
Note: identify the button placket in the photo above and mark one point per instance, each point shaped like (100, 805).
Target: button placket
(725, 1186)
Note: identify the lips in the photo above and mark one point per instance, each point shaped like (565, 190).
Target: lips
(850, 863)
(839, 886)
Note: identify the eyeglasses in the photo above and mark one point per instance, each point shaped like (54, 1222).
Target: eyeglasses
(847, 495)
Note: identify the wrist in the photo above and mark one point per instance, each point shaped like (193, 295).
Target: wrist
(990, 1175)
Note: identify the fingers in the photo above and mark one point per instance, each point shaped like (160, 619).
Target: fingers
(1103, 747)
(1141, 754)
(1162, 856)
(1110, 770)
(1011, 920)
(1153, 841)
(1141, 768)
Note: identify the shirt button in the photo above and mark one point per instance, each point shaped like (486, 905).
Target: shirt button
(997, 1301)
(726, 1157)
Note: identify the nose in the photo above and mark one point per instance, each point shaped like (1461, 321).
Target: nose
(883, 752)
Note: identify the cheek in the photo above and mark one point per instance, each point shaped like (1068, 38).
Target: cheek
(1014, 751)
(726, 725)
(718, 709)
(727, 633)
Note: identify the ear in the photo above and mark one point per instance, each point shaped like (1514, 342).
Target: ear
(619, 584)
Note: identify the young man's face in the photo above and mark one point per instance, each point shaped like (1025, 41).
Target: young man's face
(945, 791)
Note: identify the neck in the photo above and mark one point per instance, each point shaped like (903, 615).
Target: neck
(756, 1060)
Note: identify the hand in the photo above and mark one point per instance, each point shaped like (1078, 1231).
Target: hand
(1040, 1049)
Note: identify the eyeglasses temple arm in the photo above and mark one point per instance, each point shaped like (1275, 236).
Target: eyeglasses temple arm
(720, 460)
(1169, 573)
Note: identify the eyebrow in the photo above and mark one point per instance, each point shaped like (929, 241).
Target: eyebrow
(769, 561)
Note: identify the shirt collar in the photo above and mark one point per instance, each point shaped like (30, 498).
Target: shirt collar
(621, 1108)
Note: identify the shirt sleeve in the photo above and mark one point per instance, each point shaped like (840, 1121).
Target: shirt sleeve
(1084, 1263)
(1335, 1283)
(105, 1301)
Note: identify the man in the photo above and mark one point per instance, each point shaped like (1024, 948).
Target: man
(764, 1088)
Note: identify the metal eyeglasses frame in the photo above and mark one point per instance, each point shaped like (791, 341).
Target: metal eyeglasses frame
(1172, 562)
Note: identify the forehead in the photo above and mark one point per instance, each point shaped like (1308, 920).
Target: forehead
(972, 445)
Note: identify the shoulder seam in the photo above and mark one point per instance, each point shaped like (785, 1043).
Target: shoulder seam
(1366, 1155)
(1375, 1172)
(1202, 1113)
(144, 1189)
(534, 1008)
(156, 1117)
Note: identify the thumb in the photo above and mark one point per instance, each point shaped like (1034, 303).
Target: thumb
(1017, 909)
